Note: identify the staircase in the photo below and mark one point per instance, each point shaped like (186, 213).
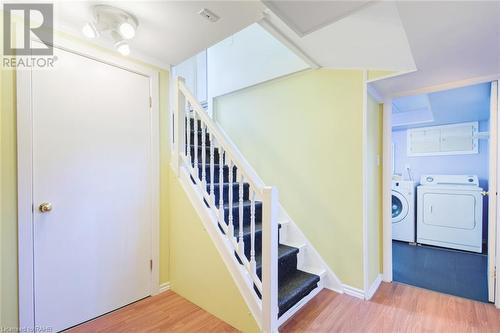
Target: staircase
(265, 252)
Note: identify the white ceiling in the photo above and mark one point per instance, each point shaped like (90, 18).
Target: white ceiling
(370, 38)
(305, 17)
(444, 40)
(450, 41)
(169, 31)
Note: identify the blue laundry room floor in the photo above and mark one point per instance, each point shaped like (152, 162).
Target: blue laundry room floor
(452, 272)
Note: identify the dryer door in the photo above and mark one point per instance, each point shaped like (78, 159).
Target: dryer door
(450, 210)
(399, 207)
(451, 219)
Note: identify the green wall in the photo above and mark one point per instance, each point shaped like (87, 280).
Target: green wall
(303, 133)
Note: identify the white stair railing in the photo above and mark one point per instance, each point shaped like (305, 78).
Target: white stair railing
(189, 120)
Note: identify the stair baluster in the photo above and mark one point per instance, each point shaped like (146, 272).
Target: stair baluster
(230, 225)
(241, 244)
(212, 194)
(195, 134)
(253, 264)
(203, 157)
(188, 137)
(221, 189)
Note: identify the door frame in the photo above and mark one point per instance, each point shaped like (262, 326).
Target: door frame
(387, 274)
(25, 170)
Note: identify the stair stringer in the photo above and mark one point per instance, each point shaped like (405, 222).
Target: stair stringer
(240, 277)
(309, 259)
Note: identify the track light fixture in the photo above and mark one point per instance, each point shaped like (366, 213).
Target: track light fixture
(119, 24)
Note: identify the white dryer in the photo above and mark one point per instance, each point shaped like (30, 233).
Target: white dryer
(450, 212)
(403, 210)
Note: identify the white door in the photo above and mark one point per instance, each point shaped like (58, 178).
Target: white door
(92, 164)
(492, 190)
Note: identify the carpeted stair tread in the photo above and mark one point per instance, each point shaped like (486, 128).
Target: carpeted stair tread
(246, 203)
(295, 287)
(246, 212)
(225, 192)
(216, 165)
(225, 172)
(287, 256)
(246, 231)
(207, 152)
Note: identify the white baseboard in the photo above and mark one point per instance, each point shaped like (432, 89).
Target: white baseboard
(374, 287)
(354, 292)
(164, 287)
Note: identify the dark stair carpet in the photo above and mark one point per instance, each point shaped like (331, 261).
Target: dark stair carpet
(293, 284)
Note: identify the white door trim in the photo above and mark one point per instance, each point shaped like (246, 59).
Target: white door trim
(387, 173)
(24, 169)
(492, 190)
(366, 282)
(496, 244)
(387, 191)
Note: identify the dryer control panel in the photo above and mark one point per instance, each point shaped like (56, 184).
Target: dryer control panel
(449, 180)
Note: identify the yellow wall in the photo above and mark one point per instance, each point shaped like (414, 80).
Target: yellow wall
(197, 271)
(1, 242)
(372, 75)
(303, 134)
(8, 212)
(374, 189)
(164, 177)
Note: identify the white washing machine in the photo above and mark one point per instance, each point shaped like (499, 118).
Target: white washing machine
(450, 212)
(403, 210)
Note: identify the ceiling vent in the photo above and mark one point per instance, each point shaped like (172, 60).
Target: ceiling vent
(209, 15)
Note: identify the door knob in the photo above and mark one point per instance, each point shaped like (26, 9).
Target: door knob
(45, 207)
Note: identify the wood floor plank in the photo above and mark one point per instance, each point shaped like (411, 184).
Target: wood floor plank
(167, 312)
(394, 308)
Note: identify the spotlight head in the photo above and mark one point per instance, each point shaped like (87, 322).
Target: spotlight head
(127, 30)
(90, 31)
(123, 47)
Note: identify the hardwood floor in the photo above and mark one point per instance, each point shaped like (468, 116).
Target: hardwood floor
(166, 312)
(394, 308)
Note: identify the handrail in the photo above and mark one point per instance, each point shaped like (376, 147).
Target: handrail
(265, 287)
(229, 147)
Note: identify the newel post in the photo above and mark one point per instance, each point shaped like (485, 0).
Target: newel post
(179, 121)
(270, 260)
